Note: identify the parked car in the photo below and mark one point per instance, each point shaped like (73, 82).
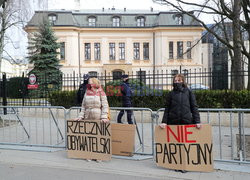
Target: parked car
(198, 87)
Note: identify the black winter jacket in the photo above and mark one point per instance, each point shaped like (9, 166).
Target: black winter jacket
(181, 108)
(81, 92)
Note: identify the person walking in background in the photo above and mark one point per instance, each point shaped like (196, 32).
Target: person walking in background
(181, 107)
(82, 89)
(126, 99)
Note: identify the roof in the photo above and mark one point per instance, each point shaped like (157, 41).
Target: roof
(79, 18)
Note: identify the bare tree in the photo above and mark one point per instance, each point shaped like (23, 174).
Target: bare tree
(16, 13)
(229, 11)
(12, 14)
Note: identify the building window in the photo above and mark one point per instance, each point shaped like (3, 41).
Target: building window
(171, 49)
(121, 51)
(174, 72)
(62, 51)
(136, 51)
(116, 21)
(87, 51)
(97, 51)
(145, 51)
(179, 19)
(112, 51)
(140, 21)
(185, 72)
(141, 75)
(92, 74)
(180, 50)
(92, 21)
(52, 18)
(201, 58)
(117, 75)
(189, 54)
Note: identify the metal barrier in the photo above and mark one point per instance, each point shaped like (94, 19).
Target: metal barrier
(231, 133)
(33, 126)
(143, 119)
(38, 126)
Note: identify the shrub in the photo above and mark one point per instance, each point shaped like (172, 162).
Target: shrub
(205, 99)
(17, 87)
(66, 99)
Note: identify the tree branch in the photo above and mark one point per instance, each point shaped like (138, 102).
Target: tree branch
(201, 22)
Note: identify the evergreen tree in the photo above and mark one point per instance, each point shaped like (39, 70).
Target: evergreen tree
(43, 55)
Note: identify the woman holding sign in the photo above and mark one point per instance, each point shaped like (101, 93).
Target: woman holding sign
(181, 107)
(94, 104)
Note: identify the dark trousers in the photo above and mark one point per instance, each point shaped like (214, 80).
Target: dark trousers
(129, 116)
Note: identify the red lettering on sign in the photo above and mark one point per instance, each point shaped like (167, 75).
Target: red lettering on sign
(188, 132)
(169, 130)
(181, 135)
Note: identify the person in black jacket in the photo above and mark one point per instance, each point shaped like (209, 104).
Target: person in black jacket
(126, 99)
(82, 89)
(181, 107)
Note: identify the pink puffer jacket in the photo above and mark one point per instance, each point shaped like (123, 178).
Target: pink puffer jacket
(94, 105)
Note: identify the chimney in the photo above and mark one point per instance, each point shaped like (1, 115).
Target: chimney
(77, 4)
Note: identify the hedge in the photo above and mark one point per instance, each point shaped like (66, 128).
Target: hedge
(66, 99)
(205, 99)
(16, 86)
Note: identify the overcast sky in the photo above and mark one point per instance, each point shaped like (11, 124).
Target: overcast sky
(118, 4)
(99, 4)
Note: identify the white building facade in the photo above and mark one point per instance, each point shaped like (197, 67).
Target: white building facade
(114, 42)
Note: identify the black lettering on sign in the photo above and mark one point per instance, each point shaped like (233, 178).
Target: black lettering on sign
(89, 144)
(89, 136)
(88, 127)
(187, 150)
(172, 148)
(168, 153)
(69, 126)
(158, 150)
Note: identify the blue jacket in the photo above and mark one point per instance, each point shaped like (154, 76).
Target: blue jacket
(126, 94)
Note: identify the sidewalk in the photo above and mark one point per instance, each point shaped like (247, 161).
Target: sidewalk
(56, 163)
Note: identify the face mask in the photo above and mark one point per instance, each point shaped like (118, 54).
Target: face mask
(91, 86)
(178, 86)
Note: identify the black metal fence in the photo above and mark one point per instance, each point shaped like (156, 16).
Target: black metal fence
(18, 91)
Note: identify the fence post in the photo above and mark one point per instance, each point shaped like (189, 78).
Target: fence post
(105, 80)
(155, 117)
(22, 88)
(4, 94)
(140, 83)
(74, 80)
(240, 136)
(153, 79)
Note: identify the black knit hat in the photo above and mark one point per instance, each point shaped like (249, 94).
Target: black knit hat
(86, 76)
(124, 76)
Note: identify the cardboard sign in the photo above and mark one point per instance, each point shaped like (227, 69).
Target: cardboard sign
(89, 139)
(184, 147)
(123, 139)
